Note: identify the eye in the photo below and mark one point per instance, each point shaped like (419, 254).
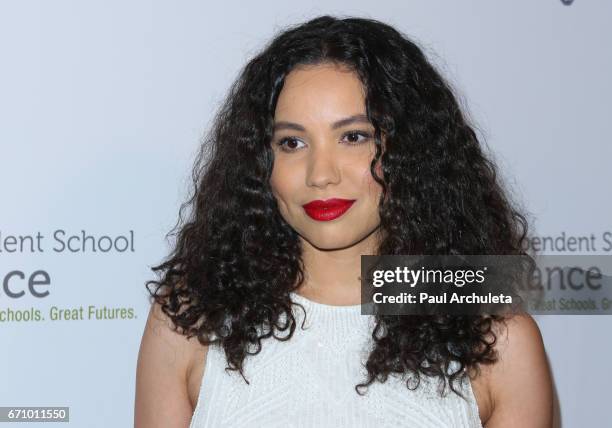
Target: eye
(289, 144)
(292, 144)
(353, 137)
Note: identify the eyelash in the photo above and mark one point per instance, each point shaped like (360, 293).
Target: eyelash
(367, 136)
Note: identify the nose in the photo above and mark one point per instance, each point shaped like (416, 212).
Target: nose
(323, 168)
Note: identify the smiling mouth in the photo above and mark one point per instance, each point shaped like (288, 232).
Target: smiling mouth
(328, 209)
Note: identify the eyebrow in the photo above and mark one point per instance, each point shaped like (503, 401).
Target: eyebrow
(338, 124)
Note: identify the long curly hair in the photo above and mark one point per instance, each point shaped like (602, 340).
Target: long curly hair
(235, 260)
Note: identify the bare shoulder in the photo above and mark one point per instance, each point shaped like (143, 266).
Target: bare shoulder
(516, 390)
(167, 364)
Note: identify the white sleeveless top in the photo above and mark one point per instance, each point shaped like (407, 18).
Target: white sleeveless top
(309, 380)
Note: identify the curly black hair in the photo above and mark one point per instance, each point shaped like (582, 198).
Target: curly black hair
(235, 260)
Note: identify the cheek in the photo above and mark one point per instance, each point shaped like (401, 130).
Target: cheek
(374, 188)
(377, 168)
(282, 182)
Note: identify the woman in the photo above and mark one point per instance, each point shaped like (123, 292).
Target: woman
(339, 139)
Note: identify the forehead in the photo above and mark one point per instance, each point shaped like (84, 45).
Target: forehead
(320, 92)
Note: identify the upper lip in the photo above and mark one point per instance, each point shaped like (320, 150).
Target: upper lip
(327, 203)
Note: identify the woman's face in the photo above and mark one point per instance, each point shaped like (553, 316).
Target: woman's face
(323, 144)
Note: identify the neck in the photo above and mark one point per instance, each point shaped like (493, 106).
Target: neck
(333, 276)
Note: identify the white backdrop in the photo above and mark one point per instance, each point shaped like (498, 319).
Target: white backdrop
(102, 105)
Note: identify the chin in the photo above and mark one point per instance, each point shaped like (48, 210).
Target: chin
(332, 241)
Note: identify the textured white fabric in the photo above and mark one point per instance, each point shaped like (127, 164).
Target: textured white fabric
(309, 380)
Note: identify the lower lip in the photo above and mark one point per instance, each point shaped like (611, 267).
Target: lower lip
(327, 214)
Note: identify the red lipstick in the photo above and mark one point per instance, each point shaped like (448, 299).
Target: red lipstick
(328, 209)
